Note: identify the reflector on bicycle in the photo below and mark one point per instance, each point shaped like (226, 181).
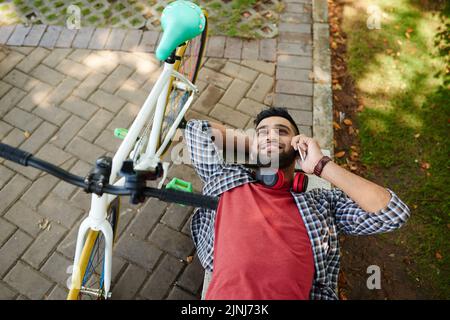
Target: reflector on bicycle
(181, 21)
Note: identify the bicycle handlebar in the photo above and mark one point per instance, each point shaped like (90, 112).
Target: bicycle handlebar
(167, 195)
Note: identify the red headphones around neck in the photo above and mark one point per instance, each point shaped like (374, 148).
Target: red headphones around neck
(277, 180)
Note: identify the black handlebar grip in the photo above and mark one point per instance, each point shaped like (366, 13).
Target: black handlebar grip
(190, 199)
(14, 154)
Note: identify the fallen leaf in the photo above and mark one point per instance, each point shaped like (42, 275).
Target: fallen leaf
(354, 155)
(353, 167)
(354, 148)
(417, 135)
(360, 108)
(336, 125)
(438, 255)
(407, 35)
(399, 42)
(189, 259)
(337, 87)
(334, 45)
(340, 154)
(409, 30)
(26, 134)
(351, 131)
(425, 165)
(348, 122)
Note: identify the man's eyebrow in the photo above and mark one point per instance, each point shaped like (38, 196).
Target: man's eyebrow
(276, 125)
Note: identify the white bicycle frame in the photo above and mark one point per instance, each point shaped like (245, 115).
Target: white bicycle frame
(97, 218)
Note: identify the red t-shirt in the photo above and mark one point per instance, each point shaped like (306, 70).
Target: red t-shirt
(261, 248)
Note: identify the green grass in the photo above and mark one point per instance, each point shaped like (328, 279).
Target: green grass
(405, 124)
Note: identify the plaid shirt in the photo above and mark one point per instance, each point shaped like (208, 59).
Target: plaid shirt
(326, 213)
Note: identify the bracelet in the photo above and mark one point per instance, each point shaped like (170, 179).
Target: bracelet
(320, 165)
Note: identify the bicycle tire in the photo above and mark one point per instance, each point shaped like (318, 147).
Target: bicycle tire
(92, 248)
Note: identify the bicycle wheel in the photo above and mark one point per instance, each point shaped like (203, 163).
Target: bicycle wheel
(188, 64)
(92, 260)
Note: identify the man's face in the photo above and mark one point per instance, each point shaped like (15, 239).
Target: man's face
(274, 135)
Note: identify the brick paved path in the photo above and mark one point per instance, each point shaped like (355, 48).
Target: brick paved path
(63, 104)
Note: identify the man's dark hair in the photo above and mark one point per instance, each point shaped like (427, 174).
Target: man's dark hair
(276, 112)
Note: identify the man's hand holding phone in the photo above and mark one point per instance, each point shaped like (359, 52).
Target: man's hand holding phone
(309, 152)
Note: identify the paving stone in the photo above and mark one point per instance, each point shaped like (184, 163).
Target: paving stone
(302, 117)
(291, 17)
(58, 293)
(115, 39)
(192, 277)
(215, 46)
(131, 94)
(233, 48)
(22, 120)
(301, 49)
(129, 284)
(17, 79)
(14, 138)
(293, 37)
(5, 33)
(6, 230)
(187, 227)
(65, 190)
(39, 137)
(50, 36)
(186, 173)
(146, 218)
(85, 150)
(176, 215)
(39, 190)
(96, 124)
(297, 8)
(56, 56)
(28, 281)
(36, 96)
(62, 91)
(59, 210)
(116, 78)
(99, 38)
(132, 39)
(12, 250)
(79, 55)
(260, 88)
(215, 64)
(162, 278)
(5, 292)
(216, 78)
(261, 66)
(7, 64)
(294, 87)
(83, 37)
(228, 115)
(208, 99)
(148, 41)
(295, 62)
(104, 61)
(10, 100)
(66, 38)
(18, 36)
(250, 107)
(307, 130)
(52, 114)
(4, 87)
(47, 75)
(138, 251)
(235, 93)
(108, 141)
(23, 50)
(284, 73)
(250, 50)
(268, 49)
(172, 241)
(295, 27)
(125, 117)
(56, 268)
(293, 101)
(179, 294)
(5, 175)
(79, 107)
(43, 245)
(89, 85)
(238, 71)
(106, 100)
(73, 69)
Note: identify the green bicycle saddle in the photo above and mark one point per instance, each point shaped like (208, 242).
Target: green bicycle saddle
(181, 21)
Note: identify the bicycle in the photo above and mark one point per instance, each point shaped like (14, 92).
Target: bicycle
(144, 145)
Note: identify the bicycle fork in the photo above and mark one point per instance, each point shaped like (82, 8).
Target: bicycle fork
(95, 221)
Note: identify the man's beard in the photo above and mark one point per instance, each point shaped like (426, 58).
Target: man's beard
(277, 161)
